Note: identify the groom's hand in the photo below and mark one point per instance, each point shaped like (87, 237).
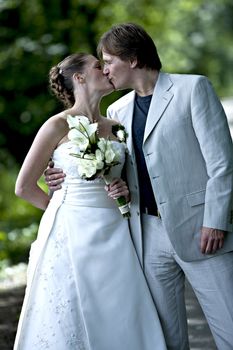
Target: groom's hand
(53, 177)
(211, 240)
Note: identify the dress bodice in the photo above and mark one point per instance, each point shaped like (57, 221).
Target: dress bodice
(63, 159)
(78, 191)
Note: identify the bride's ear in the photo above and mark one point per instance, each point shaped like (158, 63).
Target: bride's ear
(79, 78)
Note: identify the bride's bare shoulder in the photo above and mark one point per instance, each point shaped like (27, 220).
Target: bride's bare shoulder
(58, 120)
(56, 128)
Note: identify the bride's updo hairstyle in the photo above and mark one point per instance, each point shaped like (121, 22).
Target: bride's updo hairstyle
(60, 77)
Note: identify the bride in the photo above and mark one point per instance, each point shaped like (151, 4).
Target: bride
(85, 286)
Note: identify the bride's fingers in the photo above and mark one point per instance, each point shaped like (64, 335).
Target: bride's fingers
(117, 188)
(117, 183)
(119, 191)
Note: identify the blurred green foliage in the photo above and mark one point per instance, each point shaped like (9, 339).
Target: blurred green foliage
(18, 219)
(192, 36)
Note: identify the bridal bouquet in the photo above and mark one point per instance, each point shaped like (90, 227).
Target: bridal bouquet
(96, 156)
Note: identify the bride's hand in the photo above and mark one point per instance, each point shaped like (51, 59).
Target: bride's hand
(118, 188)
(53, 177)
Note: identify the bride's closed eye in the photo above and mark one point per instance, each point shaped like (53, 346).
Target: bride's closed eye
(98, 66)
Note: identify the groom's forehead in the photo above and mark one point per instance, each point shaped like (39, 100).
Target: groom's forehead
(106, 56)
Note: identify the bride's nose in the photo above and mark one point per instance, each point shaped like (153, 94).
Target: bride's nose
(105, 70)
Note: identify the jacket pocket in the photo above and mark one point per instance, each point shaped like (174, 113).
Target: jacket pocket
(196, 198)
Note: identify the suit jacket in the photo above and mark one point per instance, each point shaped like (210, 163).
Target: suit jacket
(189, 156)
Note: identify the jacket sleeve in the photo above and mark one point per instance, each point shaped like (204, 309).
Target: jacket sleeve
(213, 134)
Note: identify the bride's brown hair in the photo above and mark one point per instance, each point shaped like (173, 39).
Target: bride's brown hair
(60, 77)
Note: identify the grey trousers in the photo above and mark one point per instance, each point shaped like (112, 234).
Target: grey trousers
(211, 279)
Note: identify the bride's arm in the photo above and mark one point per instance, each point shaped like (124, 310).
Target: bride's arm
(36, 161)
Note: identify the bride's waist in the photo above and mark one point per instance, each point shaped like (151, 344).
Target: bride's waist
(83, 194)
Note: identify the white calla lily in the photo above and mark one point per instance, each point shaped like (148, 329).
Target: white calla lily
(78, 139)
(91, 131)
(74, 121)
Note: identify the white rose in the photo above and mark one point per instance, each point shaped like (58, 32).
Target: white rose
(121, 135)
(111, 153)
(86, 167)
(99, 159)
(102, 144)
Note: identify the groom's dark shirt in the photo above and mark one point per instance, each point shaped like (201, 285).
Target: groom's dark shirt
(147, 200)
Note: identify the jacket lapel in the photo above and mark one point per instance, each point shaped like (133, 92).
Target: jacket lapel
(159, 102)
(126, 118)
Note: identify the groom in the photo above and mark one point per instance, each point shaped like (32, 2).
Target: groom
(180, 175)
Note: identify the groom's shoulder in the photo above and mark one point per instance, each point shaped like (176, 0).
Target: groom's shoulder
(122, 101)
(184, 80)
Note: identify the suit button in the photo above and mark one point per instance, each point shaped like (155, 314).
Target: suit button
(131, 162)
(136, 187)
(138, 213)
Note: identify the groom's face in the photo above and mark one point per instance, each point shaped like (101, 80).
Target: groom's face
(117, 71)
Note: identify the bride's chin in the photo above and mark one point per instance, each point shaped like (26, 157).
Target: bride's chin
(110, 87)
(107, 92)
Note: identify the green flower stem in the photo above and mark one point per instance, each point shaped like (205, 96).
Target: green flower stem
(122, 203)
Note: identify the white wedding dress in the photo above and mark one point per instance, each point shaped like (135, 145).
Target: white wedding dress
(85, 288)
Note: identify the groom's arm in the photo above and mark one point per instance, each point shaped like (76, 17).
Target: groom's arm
(213, 134)
(211, 129)
(54, 177)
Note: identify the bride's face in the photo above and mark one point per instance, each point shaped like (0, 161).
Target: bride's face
(95, 78)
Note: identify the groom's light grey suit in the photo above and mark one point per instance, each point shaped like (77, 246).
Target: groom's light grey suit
(189, 157)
